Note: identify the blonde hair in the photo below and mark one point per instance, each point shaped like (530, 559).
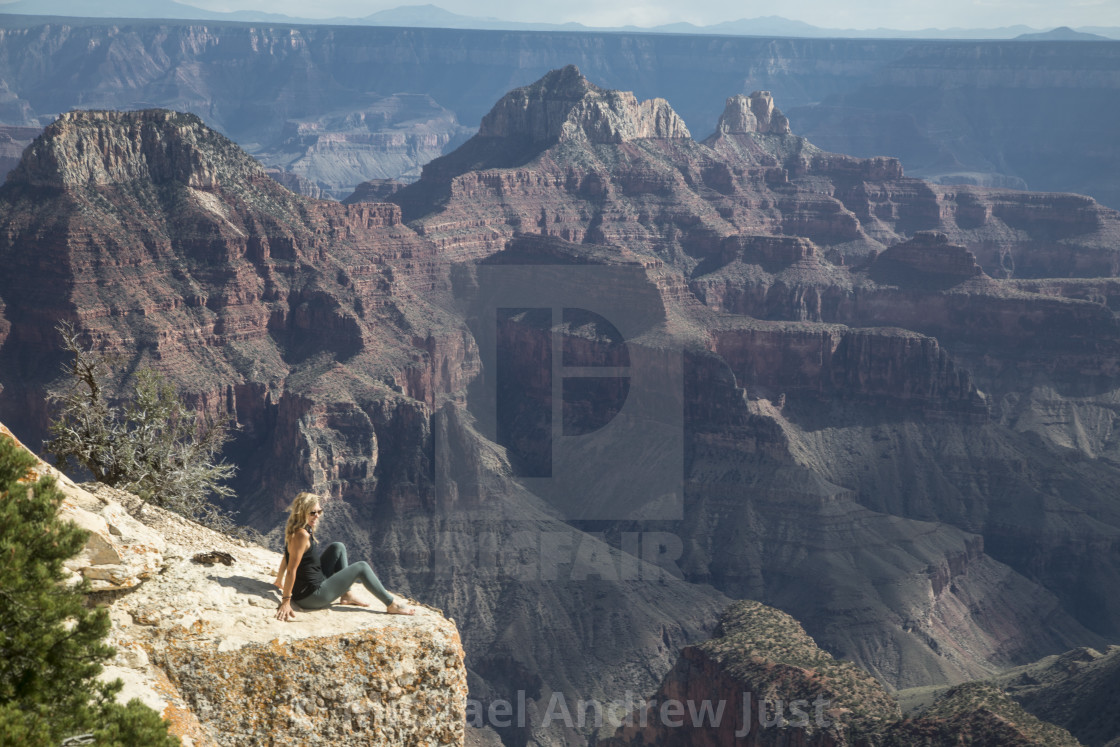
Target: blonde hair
(297, 519)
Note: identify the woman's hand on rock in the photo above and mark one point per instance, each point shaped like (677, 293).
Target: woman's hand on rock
(285, 612)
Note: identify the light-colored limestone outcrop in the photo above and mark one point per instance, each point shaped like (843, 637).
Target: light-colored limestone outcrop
(121, 552)
(563, 105)
(755, 113)
(200, 643)
(92, 148)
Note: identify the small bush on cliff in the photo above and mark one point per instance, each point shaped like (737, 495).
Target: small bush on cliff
(153, 446)
(51, 646)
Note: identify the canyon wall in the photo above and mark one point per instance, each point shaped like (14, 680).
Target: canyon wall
(881, 405)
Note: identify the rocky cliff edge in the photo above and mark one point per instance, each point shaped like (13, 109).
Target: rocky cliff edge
(198, 641)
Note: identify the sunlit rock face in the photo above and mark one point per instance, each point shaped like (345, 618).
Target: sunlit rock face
(564, 105)
(197, 639)
(754, 113)
(315, 300)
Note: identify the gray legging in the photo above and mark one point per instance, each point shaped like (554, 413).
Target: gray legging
(340, 577)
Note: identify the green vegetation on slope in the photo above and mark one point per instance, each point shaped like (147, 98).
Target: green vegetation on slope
(975, 713)
(51, 646)
(770, 649)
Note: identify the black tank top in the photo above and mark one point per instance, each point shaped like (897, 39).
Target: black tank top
(309, 574)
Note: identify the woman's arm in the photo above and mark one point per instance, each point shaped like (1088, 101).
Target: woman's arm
(298, 545)
(280, 572)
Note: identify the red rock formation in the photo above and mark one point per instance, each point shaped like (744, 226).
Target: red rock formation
(766, 225)
(881, 365)
(927, 259)
(324, 330)
(191, 252)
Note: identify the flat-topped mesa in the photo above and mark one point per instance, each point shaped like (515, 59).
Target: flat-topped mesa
(753, 114)
(927, 258)
(97, 148)
(564, 105)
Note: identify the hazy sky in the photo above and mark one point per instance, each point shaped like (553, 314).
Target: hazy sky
(864, 14)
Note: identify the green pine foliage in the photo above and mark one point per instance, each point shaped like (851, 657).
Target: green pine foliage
(153, 446)
(51, 646)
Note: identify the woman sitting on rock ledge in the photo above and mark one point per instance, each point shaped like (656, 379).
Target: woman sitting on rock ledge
(319, 580)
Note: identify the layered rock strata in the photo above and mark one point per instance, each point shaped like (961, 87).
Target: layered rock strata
(910, 466)
(564, 105)
(766, 225)
(324, 330)
(330, 155)
(755, 113)
(956, 112)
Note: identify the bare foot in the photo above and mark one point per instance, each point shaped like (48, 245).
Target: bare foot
(352, 600)
(399, 608)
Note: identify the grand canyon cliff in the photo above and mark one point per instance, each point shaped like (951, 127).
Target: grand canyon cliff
(891, 403)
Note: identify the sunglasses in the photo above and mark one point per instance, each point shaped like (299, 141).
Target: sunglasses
(315, 513)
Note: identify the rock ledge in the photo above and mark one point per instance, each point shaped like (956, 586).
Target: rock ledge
(201, 644)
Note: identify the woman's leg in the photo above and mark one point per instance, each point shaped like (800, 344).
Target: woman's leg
(333, 559)
(338, 584)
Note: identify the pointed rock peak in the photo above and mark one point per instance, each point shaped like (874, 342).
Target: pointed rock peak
(564, 105)
(97, 148)
(755, 113)
(566, 82)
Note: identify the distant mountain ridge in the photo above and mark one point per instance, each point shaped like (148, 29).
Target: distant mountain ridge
(433, 16)
(1062, 33)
